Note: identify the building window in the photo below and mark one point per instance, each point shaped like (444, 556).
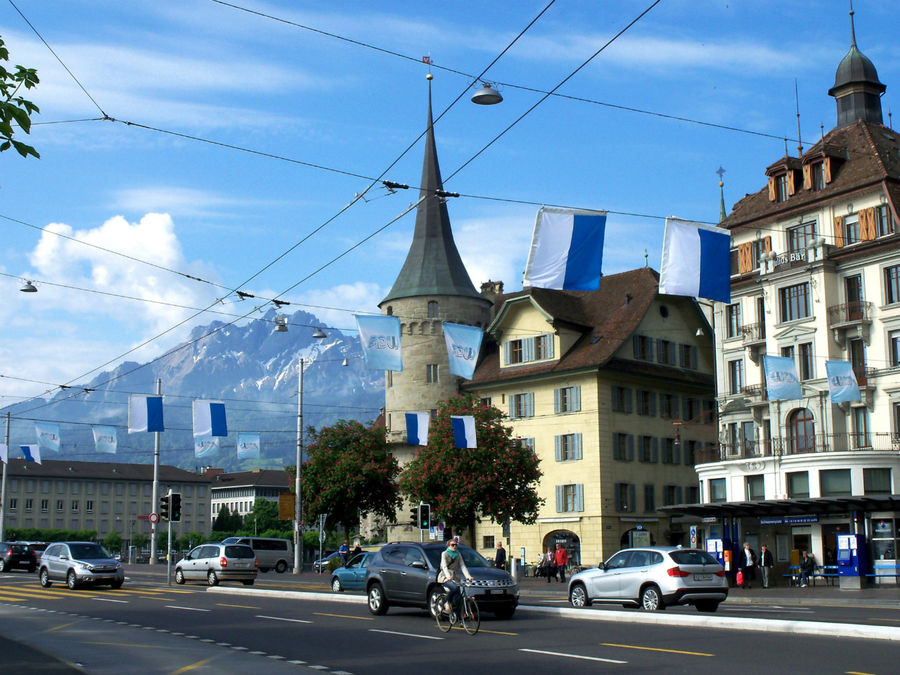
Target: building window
(748, 438)
(688, 356)
(623, 447)
(717, 490)
(861, 427)
(568, 447)
(802, 431)
(74, 506)
(805, 361)
(895, 408)
(527, 443)
(665, 352)
(668, 406)
(877, 481)
(690, 452)
(432, 309)
(818, 176)
(756, 488)
(621, 400)
(671, 495)
(625, 498)
(781, 187)
(646, 403)
(515, 351)
(431, 372)
(733, 320)
(851, 229)
(801, 237)
(884, 221)
(521, 405)
(13, 503)
(669, 455)
(543, 347)
(894, 348)
(569, 498)
(526, 350)
(892, 284)
(487, 542)
(60, 505)
(29, 504)
(648, 448)
(794, 302)
(798, 485)
(89, 505)
(649, 498)
(643, 347)
(735, 376)
(835, 483)
(567, 399)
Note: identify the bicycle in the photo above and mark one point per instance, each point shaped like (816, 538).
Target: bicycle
(465, 612)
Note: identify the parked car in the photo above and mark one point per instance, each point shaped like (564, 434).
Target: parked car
(653, 578)
(218, 562)
(17, 554)
(405, 574)
(321, 564)
(271, 553)
(352, 576)
(79, 563)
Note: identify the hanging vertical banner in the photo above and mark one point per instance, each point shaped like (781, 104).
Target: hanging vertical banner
(463, 431)
(566, 250)
(248, 446)
(380, 340)
(842, 382)
(145, 413)
(32, 453)
(204, 446)
(4, 453)
(782, 381)
(696, 261)
(417, 428)
(47, 435)
(209, 418)
(106, 439)
(463, 344)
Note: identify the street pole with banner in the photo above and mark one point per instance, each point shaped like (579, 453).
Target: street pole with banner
(322, 517)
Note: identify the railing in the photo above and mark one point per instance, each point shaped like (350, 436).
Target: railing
(754, 332)
(816, 443)
(863, 374)
(849, 312)
(755, 391)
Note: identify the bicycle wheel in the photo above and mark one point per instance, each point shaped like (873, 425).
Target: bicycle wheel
(441, 616)
(471, 617)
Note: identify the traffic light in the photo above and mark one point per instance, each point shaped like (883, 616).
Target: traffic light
(414, 516)
(175, 507)
(164, 507)
(424, 516)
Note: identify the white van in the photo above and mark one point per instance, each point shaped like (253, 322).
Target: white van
(277, 554)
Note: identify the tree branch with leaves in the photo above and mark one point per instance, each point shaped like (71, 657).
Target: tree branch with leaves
(15, 111)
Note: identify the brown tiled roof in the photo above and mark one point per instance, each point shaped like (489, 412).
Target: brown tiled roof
(607, 317)
(257, 477)
(870, 154)
(51, 468)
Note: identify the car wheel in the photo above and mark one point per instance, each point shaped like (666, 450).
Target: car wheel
(212, 579)
(378, 604)
(179, 577)
(71, 580)
(248, 582)
(281, 567)
(2, 565)
(435, 598)
(651, 600)
(116, 584)
(505, 613)
(707, 605)
(45, 578)
(578, 596)
(336, 585)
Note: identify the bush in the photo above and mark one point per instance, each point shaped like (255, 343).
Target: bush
(334, 563)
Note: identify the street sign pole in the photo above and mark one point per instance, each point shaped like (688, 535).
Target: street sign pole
(169, 546)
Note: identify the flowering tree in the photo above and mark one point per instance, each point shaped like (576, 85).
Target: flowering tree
(349, 474)
(496, 480)
(15, 111)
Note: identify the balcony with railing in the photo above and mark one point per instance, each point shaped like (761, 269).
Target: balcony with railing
(864, 375)
(849, 314)
(805, 445)
(753, 333)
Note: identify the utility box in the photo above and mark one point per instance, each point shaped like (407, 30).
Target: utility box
(852, 560)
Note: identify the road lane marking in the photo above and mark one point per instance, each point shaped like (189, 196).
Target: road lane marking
(281, 618)
(60, 627)
(191, 666)
(415, 635)
(110, 600)
(572, 656)
(189, 609)
(856, 672)
(655, 649)
(345, 616)
(225, 604)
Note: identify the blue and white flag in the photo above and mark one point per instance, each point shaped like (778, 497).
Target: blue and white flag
(47, 435)
(209, 418)
(842, 382)
(566, 250)
(145, 413)
(463, 431)
(782, 382)
(463, 344)
(417, 428)
(248, 446)
(4, 453)
(380, 340)
(106, 439)
(204, 446)
(696, 261)
(32, 453)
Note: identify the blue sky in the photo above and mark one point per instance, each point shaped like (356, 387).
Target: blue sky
(291, 98)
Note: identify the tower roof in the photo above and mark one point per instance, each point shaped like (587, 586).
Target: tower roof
(856, 89)
(433, 265)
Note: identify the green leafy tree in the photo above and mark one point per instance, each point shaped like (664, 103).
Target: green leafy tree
(349, 474)
(140, 540)
(227, 521)
(264, 516)
(113, 542)
(496, 480)
(15, 111)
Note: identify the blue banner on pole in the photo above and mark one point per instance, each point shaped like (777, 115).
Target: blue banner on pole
(842, 382)
(47, 435)
(105, 439)
(782, 381)
(248, 446)
(463, 345)
(380, 340)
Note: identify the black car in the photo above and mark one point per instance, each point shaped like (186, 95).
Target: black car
(16, 554)
(404, 574)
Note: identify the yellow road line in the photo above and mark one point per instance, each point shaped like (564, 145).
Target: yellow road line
(856, 672)
(223, 604)
(654, 649)
(192, 666)
(60, 627)
(345, 616)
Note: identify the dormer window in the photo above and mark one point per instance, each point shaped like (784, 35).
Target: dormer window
(818, 176)
(781, 188)
(525, 350)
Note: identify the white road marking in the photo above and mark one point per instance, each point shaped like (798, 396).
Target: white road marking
(189, 609)
(415, 635)
(571, 656)
(109, 600)
(281, 618)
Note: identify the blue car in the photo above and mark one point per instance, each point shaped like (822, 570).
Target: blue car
(353, 575)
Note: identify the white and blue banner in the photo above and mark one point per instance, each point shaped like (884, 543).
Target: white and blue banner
(566, 250)
(32, 453)
(463, 431)
(782, 381)
(209, 418)
(696, 261)
(4, 453)
(47, 435)
(248, 446)
(380, 340)
(204, 446)
(145, 413)
(463, 345)
(106, 439)
(842, 382)
(417, 428)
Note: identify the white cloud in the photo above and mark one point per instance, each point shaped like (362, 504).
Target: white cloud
(504, 263)
(336, 306)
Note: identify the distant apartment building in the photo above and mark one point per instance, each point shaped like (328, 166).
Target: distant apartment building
(238, 491)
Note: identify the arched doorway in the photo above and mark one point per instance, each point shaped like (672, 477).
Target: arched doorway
(636, 536)
(570, 542)
(801, 431)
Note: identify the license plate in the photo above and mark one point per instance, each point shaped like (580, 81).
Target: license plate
(703, 577)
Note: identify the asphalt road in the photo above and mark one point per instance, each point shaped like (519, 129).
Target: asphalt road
(150, 627)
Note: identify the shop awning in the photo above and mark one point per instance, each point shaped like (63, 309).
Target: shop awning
(787, 507)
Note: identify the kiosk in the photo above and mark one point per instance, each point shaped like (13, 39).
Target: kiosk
(852, 560)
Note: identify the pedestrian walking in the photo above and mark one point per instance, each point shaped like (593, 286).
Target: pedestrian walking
(561, 557)
(500, 557)
(747, 564)
(766, 562)
(551, 564)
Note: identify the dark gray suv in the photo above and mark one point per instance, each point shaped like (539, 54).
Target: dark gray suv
(404, 574)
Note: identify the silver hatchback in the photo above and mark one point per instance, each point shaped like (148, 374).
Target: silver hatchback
(653, 578)
(218, 562)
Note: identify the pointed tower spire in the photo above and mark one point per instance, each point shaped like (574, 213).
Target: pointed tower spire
(856, 89)
(433, 265)
(722, 213)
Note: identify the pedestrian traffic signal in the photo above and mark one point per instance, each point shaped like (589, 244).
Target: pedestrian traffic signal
(164, 506)
(424, 516)
(175, 507)
(414, 516)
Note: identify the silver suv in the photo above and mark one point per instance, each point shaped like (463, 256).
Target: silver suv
(218, 562)
(79, 563)
(653, 578)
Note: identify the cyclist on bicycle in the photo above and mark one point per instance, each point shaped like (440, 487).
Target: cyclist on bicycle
(451, 564)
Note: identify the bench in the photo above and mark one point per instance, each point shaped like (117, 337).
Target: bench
(886, 572)
(827, 573)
